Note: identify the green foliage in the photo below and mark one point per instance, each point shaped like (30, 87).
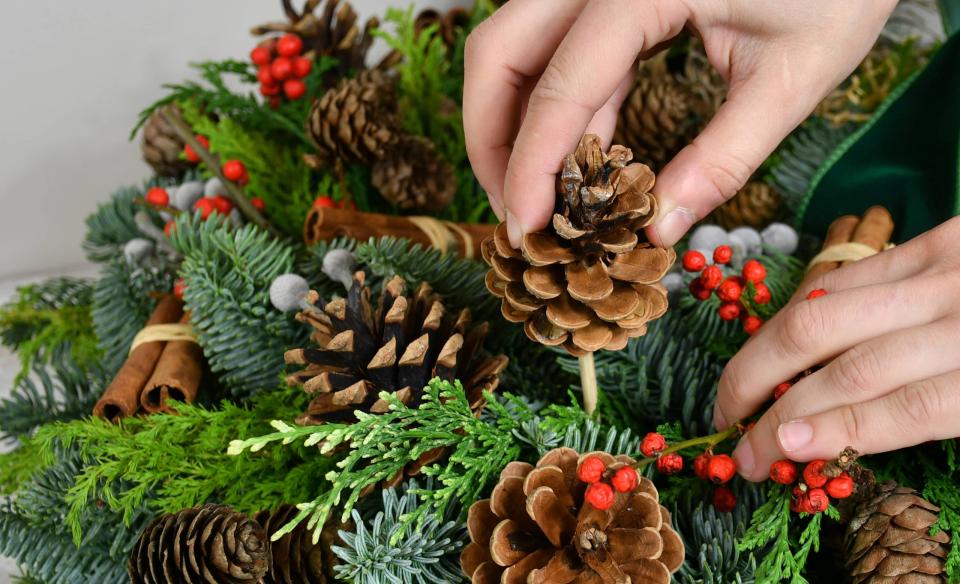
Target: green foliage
(944, 490)
(112, 224)
(382, 550)
(227, 273)
(48, 321)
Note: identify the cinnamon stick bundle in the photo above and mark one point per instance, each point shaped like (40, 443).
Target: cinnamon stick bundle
(122, 396)
(325, 224)
(873, 230)
(176, 377)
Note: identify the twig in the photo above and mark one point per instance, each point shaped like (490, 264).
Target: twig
(711, 441)
(233, 191)
(588, 383)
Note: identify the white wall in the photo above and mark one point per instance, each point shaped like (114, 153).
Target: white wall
(74, 77)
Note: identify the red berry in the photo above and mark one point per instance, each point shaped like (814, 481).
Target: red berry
(753, 271)
(157, 196)
(783, 472)
(625, 480)
(233, 170)
(761, 294)
(222, 204)
(798, 501)
(275, 101)
(700, 464)
(693, 261)
(711, 276)
(723, 254)
(813, 473)
(206, 206)
(261, 55)
(730, 290)
(721, 469)
(323, 202)
(258, 203)
(302, 67)
(269, 90)
(591, 469)
(729, 310)
(698, 290)
(600, 495)
(169, 228)
(752, 324)
(347, 204)
(653, 444)
(781, 389)
(190, 154)
(816, 293)
(265, 76)
(281, 68)
(178, 287)
(817, 501)
(724, 500)
(289, 45)
(669, 464)
(840, 487)
(294, 88)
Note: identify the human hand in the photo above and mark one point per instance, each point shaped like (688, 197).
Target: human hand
(541, 73)
(891, 325)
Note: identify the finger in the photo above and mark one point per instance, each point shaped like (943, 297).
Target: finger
(501, 53)
(865, 372)
(604, 122)
(759, 113)
(580, 78)
(809, 332)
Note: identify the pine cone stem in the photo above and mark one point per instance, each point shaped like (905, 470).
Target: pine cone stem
(588, 383)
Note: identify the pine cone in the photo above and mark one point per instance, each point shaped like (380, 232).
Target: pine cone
(450, 24)
(356, 121)
(536, 528)
(889, 541)
(161, 146)
(414, 177)
(200, 545)
(756, 205)
(296, 558)
(592, 280)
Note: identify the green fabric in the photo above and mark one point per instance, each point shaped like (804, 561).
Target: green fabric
(950, 11)
(907, 158)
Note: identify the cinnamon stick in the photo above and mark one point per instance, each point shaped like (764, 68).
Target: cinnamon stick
(176, 376)
(874, 229)
(840, 231)
(324, 224)
(122, 396)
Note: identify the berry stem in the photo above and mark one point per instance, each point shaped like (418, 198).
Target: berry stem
(710, 441)
(588, 383)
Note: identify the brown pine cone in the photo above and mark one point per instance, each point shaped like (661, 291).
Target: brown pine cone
(591, 280)
(205, 544)
(296, 558)
(414, 177)
(356, 121)
(536, 528)
(889, 541)
(450, 24)
(161, 146)
(756, 205)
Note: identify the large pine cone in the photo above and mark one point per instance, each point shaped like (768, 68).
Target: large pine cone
(161, 146)
(591, 281)
(756, 205)
(414, 177)
(200, 545)
(356, 121)
(296, 558)
(536, 528)
(397, 348)
(889, 541)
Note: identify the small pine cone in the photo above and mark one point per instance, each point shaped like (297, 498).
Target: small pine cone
(296, 558)
(591, 280)
(889, 541)
(756, 205)
(161, 146)
(450, 24)
(414, 177)
(537, 528)
(204, 544)
(356, 121)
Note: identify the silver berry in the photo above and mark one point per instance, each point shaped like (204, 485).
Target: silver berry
(138, 249)
(708, 237)
(187, 195)
(339, 265)
(287, 290)
(780, 237)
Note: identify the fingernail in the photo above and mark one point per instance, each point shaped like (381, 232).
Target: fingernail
(719, 420)
(672, 227)
(514, 231)
(794, 435)
(743, 454)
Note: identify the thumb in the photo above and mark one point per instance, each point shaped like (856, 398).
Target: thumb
(757, 115)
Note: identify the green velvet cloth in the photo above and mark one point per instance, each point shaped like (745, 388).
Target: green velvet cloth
(907, 158)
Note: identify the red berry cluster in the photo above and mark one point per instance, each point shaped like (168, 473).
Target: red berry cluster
(325, 202)
(719, 469)
(281, 68)
(815, 488)
(190, 154)
(235, 171)
(158, 197)
(731, 290)
(600, 494)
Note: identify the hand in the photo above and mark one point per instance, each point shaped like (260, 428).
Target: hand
(889, 332)
(539, 73)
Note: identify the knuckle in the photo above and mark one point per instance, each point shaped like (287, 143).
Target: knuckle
(731, 389)
(802, 329)
(851, 419)
(920, 403)
(726, 173)
(558, 85)
(858, 369)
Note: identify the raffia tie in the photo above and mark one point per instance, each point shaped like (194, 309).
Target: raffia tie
(845, 252)
(164, 332)
(443, 233)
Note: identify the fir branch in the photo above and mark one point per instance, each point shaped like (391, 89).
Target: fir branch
(112, 224)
